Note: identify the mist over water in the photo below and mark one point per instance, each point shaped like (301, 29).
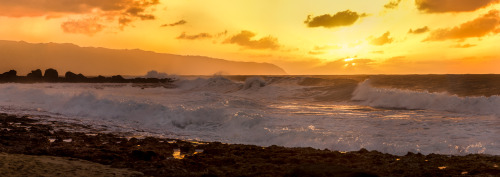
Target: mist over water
(446, 114)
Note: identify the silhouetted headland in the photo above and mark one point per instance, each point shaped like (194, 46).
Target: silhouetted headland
(51, 75)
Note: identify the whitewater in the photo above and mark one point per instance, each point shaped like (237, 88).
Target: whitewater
(442, 114)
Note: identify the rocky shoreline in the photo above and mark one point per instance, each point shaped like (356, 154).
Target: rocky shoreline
(170, 157)
(52, 76)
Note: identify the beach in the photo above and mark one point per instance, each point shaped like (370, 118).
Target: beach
(107, 154)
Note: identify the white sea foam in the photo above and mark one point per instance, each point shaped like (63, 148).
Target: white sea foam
(406, 99)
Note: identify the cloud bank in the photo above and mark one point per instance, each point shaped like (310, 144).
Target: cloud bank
(476, 28)
(122, 12)
(441, 6)
(344, 18)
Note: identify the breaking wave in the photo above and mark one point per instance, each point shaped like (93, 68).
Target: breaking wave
(148, 114)
(407, 99)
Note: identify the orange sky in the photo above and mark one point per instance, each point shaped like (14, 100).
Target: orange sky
(300, 36)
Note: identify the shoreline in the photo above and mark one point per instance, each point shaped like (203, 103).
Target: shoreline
(172, 157)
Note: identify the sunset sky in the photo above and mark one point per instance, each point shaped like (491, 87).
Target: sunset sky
(300, 36)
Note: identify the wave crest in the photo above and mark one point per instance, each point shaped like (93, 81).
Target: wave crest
(406, 99)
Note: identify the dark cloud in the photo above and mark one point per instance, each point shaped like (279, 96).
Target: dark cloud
(464, 46)
(123, 12)
(419, 30)
(139, 12)
(180, 22)
(244, 39)
(476, 28)
(124, 21)
(344, 18)
(392, 4)
(224, 33)
(194, 37)
(88, 26)
(440, 6)
(382, 40)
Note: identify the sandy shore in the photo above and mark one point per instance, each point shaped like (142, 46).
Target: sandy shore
(81, 154)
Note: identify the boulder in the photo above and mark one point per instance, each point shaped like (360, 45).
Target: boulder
(35, 75)
(51, 75)
(72, 77)
(118, 78)
(9, 76)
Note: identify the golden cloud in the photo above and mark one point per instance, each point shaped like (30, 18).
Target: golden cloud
(476, 28)
(180, 22)
(194, 37)
(382, 40)
(88, 26)
(464, 46)
(244, 39)
(440, 6)
(392, 4)
(419, 30)
(344, 18)
(316, 52)
(121, 11)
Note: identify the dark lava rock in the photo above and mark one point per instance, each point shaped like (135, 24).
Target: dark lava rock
(35, 75)
(118, 78)
(326, 170)
(153, 156)
(72, 77)
(9, 76)
(143, 155)
(51, 75)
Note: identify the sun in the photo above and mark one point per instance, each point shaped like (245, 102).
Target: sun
(348, 59)
(349, 62)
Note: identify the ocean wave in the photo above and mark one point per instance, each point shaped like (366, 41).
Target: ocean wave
(87, 104)
(407, 99)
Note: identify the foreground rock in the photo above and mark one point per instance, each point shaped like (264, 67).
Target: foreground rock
(27, 165)
(168, 157)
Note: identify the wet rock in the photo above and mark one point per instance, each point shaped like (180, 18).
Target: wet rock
(152, 156)
(143, 155)
(327, 170)
(187, 148)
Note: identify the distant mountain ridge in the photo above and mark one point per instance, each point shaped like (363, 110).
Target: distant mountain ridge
(24, 56)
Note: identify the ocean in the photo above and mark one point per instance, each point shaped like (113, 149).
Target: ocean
(396, 114)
